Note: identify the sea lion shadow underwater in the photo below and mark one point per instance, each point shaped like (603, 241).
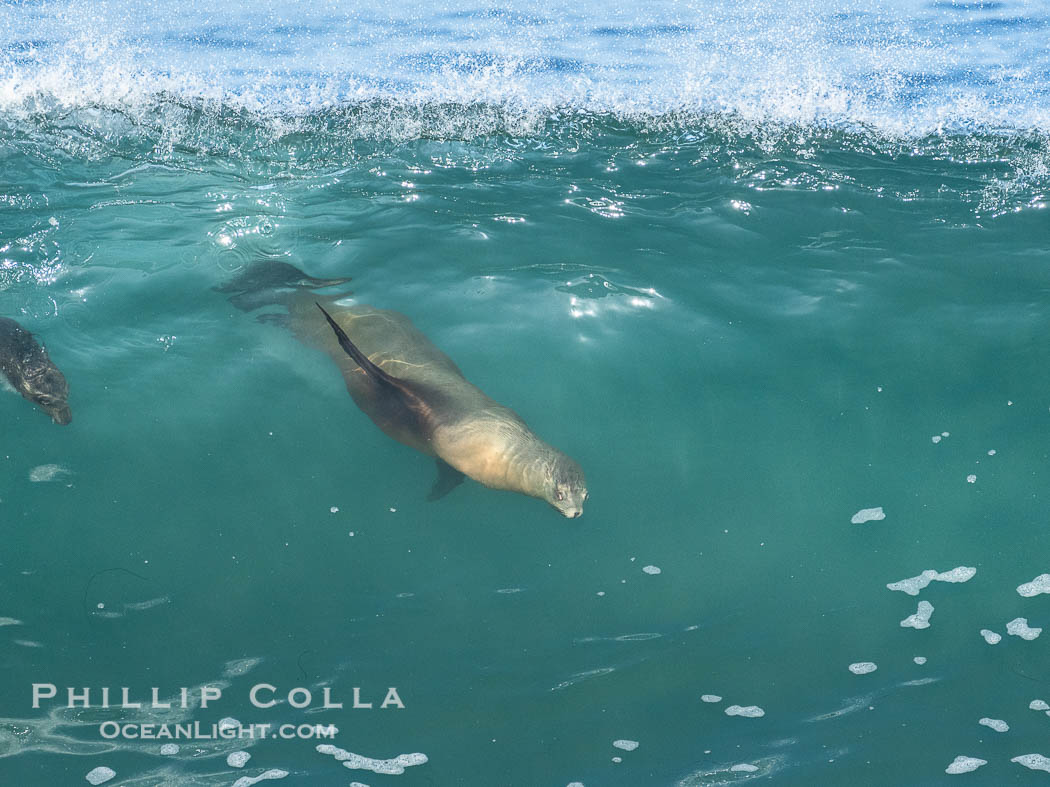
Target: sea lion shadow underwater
(413, 391)
(26, 367)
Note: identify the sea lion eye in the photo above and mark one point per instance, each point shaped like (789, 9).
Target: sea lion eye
(559, 495)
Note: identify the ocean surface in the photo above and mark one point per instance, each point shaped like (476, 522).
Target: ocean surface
(762, 268)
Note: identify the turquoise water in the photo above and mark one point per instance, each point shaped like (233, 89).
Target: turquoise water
(756, 269)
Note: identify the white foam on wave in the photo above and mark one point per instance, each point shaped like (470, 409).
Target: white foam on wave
(747, 711)
(45, 473)
(1035, 762)
(868, 515)
(100, 775)
(1019, 627)
(863, 667)
(794, 62)
(141, 606)
(626, 745)
(1041, 584)
(248, 781)
(913, 585)
(237, 667)
(921, 618)
(963, 764)
(996, 724)
(1038, 705)
(393, 767)
(991, 637)
(238, 759)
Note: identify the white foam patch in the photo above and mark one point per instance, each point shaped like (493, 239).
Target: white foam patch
(936, 439)
(920, 682)
(44, 473)
(913, 585)
(868, 515)
(1041, 584)
(140, 606)
(626, 745)
(100, 775)
(863, 667)
(238, 759)
(651, 569)
(248, 781)
(921, 618)
(581, 676)
(10, 622)
(747, 711)
(1036, 762)
(169, 748)
(971, 479)
(996, 724)
(238, 667)
(920, 660)
(957, 574)
(991, 637)
(711, 698)
(1038, 705)
(744, 767)
(1019, 627)
(393, 766)
(965, 765)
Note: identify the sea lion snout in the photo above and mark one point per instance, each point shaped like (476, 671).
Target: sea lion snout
(60, 414)
(568, 492)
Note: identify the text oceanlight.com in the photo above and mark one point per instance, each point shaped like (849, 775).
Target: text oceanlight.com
(223, 730)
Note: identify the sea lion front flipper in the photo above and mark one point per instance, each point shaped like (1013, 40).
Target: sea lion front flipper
(448, 479)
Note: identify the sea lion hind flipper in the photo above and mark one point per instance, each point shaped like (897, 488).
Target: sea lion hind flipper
(268, 282)
(359, 357)
(448, 479)
(410, 393)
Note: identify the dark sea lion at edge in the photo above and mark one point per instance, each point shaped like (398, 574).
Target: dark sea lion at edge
(31, 373)
(417, 395)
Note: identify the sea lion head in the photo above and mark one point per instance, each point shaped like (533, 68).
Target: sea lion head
(48, 389)
(567, 488)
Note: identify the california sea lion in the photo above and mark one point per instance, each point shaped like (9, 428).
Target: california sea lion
(30, 372)
(418, 396)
